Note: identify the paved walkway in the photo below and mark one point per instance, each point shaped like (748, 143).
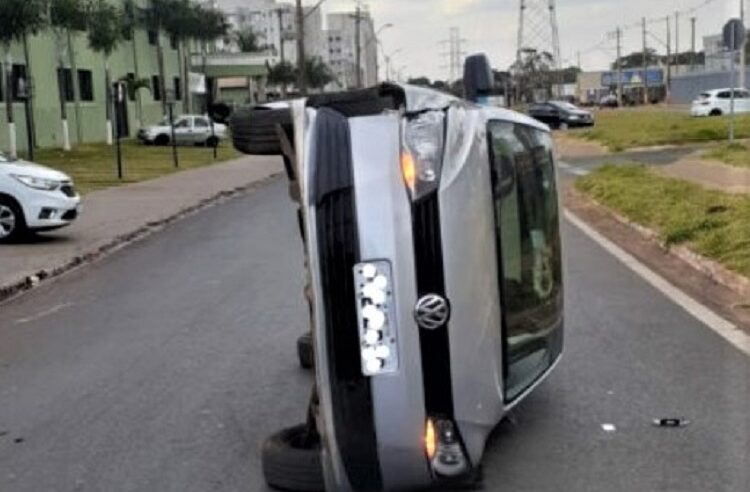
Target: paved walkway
(709, 174)
(112, 214)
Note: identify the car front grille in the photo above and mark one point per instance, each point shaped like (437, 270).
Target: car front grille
(338, 247)
(68, 190)
(70, 215)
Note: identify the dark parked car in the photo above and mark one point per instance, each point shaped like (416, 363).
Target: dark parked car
(561, 114)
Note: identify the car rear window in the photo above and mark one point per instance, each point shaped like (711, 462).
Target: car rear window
(704, 95)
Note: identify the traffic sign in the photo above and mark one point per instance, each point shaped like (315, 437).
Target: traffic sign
(734, 34)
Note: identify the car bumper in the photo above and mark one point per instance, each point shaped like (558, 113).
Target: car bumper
(580, 123)
(700, 110)
(46, 210)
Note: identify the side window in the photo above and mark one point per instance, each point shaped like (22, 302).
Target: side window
(201, 123)
(182, 123)
(529, 252)
(724, 95)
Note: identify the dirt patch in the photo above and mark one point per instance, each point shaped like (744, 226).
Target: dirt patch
(569, 147)
(696, 276)
(709, 174)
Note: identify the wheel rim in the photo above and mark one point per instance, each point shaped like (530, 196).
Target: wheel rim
(7, 221)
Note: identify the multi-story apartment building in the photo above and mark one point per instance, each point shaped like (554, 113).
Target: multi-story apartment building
(342, 48)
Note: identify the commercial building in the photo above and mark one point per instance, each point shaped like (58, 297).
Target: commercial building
(83, 85)
(342, 48)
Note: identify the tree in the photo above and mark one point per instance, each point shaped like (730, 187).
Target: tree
(104, 34)
(132, 17)
(533, 73)
(319, 74)
(18, 18)
(635, 59)
(282, 73)
(246, 39)
(134, 85)
(65, 16)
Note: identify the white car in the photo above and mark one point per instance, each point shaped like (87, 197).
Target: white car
(717, 102)
(189, 129)
(34, 198)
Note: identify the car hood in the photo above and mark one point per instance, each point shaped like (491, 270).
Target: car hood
(579, 112)
(26, 168)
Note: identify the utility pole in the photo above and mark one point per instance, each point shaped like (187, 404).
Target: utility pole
(669, 59)
(578, 75)
(301, 68)
(280, 13)
(692, 44)
(455, 53)
(676, 43)
(645, 63)
(618, 34)
(358, 43)
(743, 49)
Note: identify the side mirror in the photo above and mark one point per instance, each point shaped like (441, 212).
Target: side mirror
(478, 78)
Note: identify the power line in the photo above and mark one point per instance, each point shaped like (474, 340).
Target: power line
(455, 53)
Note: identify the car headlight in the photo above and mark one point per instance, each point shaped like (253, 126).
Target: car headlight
(422, 153)
(574, 117)
(37, 183)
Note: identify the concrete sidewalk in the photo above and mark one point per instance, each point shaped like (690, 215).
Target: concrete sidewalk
(113, 216)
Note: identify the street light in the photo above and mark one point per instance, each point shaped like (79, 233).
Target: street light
(388, 61)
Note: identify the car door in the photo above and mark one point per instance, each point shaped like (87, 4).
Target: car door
(183, 130)
(202, 129)
(529, 252)
(742, 102)
(723, 101)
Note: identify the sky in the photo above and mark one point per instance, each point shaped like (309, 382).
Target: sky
(491, 26)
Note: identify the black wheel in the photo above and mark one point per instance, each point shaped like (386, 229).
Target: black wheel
(161, 140)
(12, 220)
(254, 130)
(715, 112)
(305, 351)
(291, 460)
(212, 142)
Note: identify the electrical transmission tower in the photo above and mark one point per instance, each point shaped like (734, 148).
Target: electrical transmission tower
(455, 54)
(537, 30)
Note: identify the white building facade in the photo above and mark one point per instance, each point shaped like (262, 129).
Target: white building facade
(342, 48)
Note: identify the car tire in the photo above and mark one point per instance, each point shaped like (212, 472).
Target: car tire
(715, 112)
(291, 461)
(161, 140)
(12, 220)
(254, 130)
(305, 351)
(212, 142)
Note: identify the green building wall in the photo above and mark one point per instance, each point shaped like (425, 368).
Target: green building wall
(87, 122)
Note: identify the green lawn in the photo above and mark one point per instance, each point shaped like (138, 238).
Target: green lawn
(639, 127)
(712, 223)
(735, 154)
(93, 166)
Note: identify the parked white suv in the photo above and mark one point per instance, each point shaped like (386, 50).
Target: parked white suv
(34, 198)
(717, 102)
(189, 129)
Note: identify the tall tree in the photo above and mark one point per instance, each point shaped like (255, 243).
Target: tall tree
(319, 74)
(282, 73)
(18, 18)
(105, 22)
(246, 39)
(132, 17)
(65, 16)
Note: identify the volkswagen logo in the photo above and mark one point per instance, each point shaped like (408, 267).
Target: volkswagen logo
(432, 311)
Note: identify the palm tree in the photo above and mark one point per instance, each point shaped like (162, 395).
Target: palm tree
(132, 17)
(155, 17)
(18, 18)
(65, 16)
(104, 34)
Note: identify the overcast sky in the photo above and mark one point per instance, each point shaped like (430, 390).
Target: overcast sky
(491, 26)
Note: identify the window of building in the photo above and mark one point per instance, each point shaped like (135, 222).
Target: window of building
(156, 87)
(20, 82)
(86, 85)
(65, 79)
(177, 89)
(173, 42)
(153, 37)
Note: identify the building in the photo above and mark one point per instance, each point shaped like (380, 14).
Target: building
(717, 56)
(83, 84)
(342, 48)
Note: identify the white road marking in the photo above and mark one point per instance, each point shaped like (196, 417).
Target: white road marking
(721, 326)
(42, 314)
(609, 427)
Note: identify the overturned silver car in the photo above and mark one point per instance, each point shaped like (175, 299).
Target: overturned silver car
(431, 229)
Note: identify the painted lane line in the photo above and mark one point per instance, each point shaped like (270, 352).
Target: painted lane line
(721, 326)
(45, 313)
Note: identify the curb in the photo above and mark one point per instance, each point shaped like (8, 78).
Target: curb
(29, 282)
(717, 272)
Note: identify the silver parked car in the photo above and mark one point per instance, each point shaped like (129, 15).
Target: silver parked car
(431, 229)
(189, 129)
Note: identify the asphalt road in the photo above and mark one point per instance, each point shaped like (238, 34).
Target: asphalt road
(163, 367)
